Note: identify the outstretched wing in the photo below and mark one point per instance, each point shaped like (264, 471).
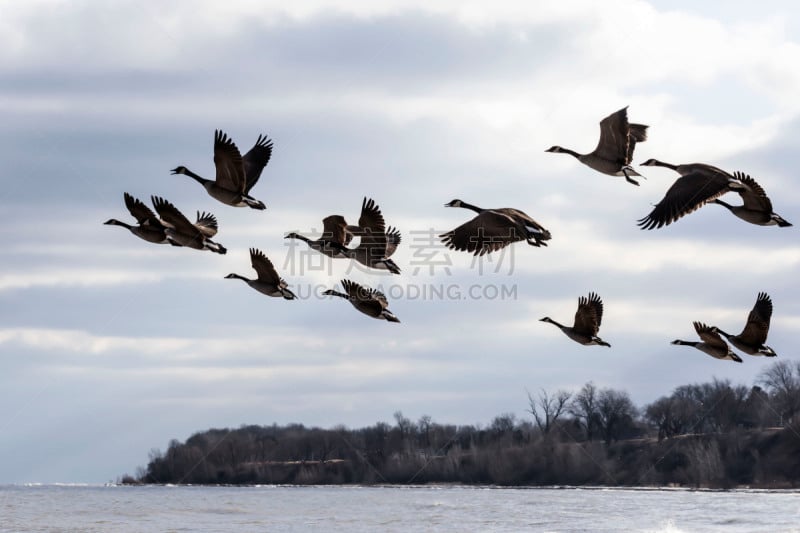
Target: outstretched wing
(589, 314)
(140, 211)
(757, 326)
(753, 195)
(373, 228)
(206, 224)
(263, 267)
(487, 232)
(393, 239)
(172, 217)
(688, 194)
(255, 160)
(228, 160)
(709, 336)
(367, 300)
(613, 143)
(334, 228)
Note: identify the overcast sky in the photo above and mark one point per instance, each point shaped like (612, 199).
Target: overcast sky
(111, 346)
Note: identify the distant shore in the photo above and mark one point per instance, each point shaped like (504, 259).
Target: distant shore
(756, 459)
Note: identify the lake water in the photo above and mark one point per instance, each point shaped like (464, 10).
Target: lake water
(56, 508)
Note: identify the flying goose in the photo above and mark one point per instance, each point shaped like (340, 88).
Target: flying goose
(369, 301)
(268, 281)
(182, 232)
(236, 175)
(377, 243)
(752, 338)
(493, 229)
(712, 344)
(614, 151)
(150, 228)
(587, 321)
(756, 207)
(699, 184)
(334, 239)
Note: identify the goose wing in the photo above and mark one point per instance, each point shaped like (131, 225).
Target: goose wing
(487, 232)
(365, 299)
(263, 267)
(255, 160)
(373, 228)
(613, 143)
(228, 160)
(709, 336)
(589, 314)
(753, 195)
(688, 194)
(175, 219)
(525, 219)
(393, 239)
(757, 326)
(140, 211)
(206, 223)
(334, 228)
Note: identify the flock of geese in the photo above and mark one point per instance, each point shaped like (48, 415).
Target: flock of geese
(488, 231)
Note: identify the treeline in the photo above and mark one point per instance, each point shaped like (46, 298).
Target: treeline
(711, 434)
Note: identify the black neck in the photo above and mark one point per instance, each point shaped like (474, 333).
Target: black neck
(475, 208)
(115, 222)
(548, 319)
(573, 153)
(658, 163)
(196, 177)
(686, 343)
(298, 236)
(720, 202)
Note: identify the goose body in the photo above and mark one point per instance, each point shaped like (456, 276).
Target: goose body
(369, 301)
(752, 338)
(377, 243)
(182, 232)
(267, 281)
(614, 151)
(587, 321)
(493, 229)
(698, 185)
(235, 175)
(712, 344)
(756, 206)
(149, 226)
(334, 239)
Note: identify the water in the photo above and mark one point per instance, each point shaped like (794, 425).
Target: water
(120, 509)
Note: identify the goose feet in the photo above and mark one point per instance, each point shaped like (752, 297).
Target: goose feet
(629, 179)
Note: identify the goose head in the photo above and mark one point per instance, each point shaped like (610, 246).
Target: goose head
(178, 170)
(651, 163)
(291, 235)
(454, 203)
(555, 149)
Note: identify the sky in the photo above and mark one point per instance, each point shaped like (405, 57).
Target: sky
(111, 346)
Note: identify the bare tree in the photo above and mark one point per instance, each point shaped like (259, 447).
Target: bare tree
(546, 409)
(424, 426)
(782, 381)
(615, 413)
(584, 407)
